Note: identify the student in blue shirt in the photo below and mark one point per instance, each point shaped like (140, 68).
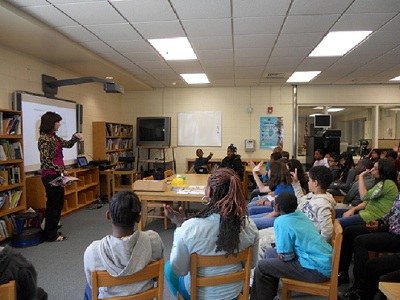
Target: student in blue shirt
(301, 252)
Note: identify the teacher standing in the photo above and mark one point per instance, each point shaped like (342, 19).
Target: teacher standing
(52, 165)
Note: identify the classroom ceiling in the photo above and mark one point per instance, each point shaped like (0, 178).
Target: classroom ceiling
(237, 42)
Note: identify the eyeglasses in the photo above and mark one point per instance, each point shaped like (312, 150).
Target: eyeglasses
(331, 160)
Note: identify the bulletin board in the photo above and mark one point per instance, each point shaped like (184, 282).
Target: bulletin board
(199, 128)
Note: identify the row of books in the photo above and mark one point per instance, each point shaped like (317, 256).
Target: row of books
(11, 197)
(10, 150)
(10, 124)
(118, 130)
(7, 226)
(113, 144)
(10, 174)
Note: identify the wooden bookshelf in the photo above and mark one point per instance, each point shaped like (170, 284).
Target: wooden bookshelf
(11, 167)
(77, 195)
(112, 140)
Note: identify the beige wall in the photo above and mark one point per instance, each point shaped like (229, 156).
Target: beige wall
(21, 72)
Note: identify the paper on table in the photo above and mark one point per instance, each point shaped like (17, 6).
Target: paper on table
(63, 180)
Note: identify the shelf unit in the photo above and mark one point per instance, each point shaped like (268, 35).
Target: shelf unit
(151, 153)
(112, 140)
(11, 167)
(77, 195)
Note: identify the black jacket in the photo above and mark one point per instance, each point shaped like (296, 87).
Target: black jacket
(234, 163)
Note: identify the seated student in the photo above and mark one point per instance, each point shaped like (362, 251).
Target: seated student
(334, 161)
(233, 161)
(319, 158)
(317, 205)
(301, 252)
(285, 155)
(377, 201)
(275, 155)
(201, 163)
(279, 181)
(346, 177)
(125, 251)
(374, 155)
(352, 198)
(221, 228)
(382, 235)
(14, 266)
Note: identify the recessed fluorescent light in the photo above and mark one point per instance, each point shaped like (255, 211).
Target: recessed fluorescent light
(333, 109)
(394, 109)
(303, 76)
(195, 78)
(338, 43)
(395, 79)
(174, 48)
(318, 107)
(313, 115)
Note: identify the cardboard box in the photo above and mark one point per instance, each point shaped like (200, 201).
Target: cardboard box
(150, 185)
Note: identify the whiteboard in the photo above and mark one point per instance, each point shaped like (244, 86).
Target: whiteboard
(199, 128)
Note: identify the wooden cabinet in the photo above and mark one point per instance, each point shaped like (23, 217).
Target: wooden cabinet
(112, 140)
(152, 156)
(12, 175)
(77, 195)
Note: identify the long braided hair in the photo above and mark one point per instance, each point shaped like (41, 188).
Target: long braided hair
(227, 200)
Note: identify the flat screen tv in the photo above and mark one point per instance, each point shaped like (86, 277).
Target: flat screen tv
(322, 121)
(153, 131)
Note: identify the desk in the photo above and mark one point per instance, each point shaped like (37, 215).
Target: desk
(390, 289)
(106, 178)
(168, 195)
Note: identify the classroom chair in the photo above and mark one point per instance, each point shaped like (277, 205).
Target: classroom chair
(151, 271)
(327, 289)
(200, 261)
(8, 290)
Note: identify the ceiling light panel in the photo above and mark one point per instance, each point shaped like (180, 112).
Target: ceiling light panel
(303, 76)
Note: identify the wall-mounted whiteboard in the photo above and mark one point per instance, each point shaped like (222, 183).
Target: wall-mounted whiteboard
(199, 128)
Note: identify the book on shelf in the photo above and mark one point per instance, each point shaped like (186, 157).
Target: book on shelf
(7, 124)
(16, 125)
(17, 150)
(14, 200)
(109, 130)
(3, 155)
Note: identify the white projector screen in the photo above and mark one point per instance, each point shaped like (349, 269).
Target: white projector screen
(33, 107)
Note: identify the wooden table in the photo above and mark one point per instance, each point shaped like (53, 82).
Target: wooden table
(390, 289)
(168, 195)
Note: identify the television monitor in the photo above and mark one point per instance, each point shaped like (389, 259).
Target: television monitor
(33, 107)
(322, 121)
(153, 131)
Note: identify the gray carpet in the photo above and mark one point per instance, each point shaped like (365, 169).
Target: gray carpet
(60, 264)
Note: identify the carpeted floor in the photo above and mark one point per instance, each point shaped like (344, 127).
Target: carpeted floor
(60, 264)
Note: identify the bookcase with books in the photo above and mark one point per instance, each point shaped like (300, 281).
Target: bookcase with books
(12, 176)
(76, 195)
(111, 141)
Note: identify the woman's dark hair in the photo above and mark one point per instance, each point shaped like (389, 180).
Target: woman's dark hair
(47, 121)
(227, 200)
(348, 164)
(232, 148)
(279, 174)
(301, 175)
(387, 170)
(124, 209)
(335, 156)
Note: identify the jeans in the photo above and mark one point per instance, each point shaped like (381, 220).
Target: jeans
(350, 221)
(261, 222)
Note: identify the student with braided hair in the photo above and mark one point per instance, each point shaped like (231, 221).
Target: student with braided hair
(221, 228)
(233, 161)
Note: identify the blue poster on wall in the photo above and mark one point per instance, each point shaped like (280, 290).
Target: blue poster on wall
(271, 132)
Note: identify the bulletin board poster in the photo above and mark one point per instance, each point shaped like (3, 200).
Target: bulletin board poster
(271, 132)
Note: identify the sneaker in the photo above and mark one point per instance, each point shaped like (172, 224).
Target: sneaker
(343, 277)
(352, 293)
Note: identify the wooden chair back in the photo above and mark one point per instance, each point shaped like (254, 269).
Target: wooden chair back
(168, 173)
(199, 261)
(8, 291)
(153, 270)
(149, 178)
(326, 289)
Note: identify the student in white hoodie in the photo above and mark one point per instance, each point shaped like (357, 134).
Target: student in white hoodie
(125, 251)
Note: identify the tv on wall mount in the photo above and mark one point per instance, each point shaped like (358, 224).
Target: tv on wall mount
(153, 131)
(322, 121)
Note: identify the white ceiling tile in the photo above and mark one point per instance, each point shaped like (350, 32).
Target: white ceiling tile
(145, 10)
(252, 52)
(114, 32)
(142, 56)
(291, 51)
(372, 6)
(102, 13)
(255, 41)
(257, 25)
(24, 3)
(299, 40)
(131, 46)
(50, 15)
(78, 33)
(211, 27)
(215, 54)
(304, 24)
(248, 61)
(362, 22)
(96, 46)
(204, 9)
(317, 7)
(211, 43)
(158, 30)
(260, 8)
(217, 63)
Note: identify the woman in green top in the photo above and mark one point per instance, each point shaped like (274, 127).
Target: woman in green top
(378, 200)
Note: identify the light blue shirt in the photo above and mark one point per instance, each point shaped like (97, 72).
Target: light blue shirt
(199, 236)
(296, 233)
